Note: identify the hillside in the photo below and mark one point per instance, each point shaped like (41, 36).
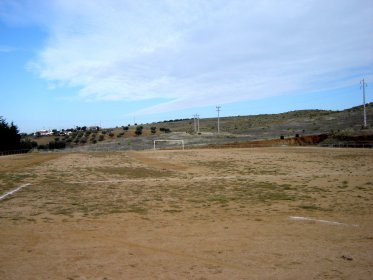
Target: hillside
(340, 126)
(290, 123)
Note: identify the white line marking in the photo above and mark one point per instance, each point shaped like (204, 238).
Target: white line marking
(320, 221)
(14, 190)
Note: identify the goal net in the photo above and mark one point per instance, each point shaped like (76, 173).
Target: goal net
(180, 142)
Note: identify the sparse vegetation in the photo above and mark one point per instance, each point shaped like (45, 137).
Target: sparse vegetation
(343, 128)
(215, 198)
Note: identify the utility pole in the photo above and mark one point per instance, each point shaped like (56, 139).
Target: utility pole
(218, 109)
(196, 123)
(363, 85)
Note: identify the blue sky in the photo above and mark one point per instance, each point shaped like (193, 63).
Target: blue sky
(68, 63)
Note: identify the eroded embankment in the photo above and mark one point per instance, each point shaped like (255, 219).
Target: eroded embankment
(294, 141)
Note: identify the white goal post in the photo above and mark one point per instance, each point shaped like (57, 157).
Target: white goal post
(180, 141)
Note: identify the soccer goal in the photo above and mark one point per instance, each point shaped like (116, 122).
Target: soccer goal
(177, 141)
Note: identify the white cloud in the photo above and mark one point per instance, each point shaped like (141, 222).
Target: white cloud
(202, 52)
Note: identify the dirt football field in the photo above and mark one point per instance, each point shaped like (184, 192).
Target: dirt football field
(259, 213)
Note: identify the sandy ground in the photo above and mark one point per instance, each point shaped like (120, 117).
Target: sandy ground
(200, 214)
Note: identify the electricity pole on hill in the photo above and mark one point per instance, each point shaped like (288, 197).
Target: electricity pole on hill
(363, 85)
(196, 123)
(218, 109)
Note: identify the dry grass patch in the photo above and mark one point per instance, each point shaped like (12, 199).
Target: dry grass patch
(213, 214)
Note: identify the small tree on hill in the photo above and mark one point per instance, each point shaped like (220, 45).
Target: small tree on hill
(138, 130)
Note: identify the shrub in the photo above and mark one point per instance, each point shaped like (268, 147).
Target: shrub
(27, 144)
(51, 145)
(59, 144)
(56, 145)
(165, 130)
(42, 147)
(138, 130)
(153, 129)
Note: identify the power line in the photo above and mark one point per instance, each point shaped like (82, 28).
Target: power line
(363, 85)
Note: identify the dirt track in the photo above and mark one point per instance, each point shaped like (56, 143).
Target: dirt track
(200, 214)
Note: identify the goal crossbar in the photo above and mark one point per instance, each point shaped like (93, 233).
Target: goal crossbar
(180, 141)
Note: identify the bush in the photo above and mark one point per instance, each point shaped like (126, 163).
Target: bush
(101, 137)
(27, 144)
(60, 145)
(51, 145)
(165, 130)
(138, 130)
(153, 129)
(42, 147)
(56, 145)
